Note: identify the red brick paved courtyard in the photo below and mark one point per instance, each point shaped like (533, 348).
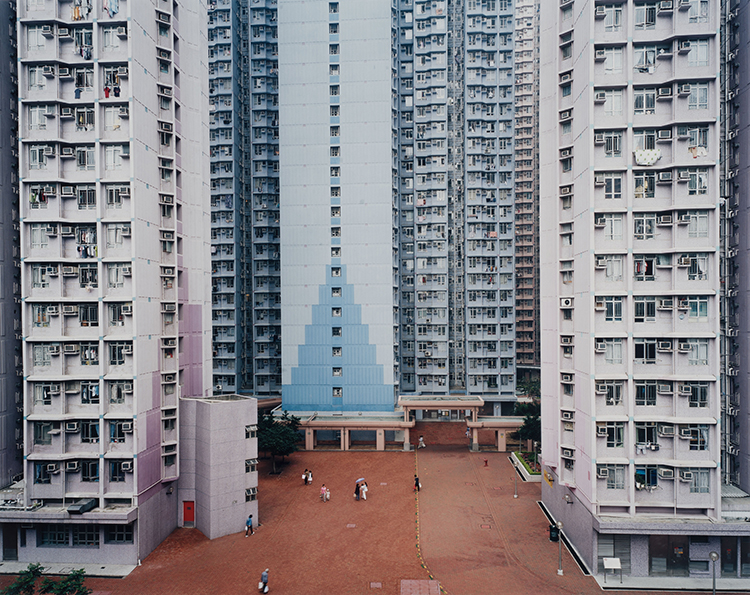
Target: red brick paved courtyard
(476, 539)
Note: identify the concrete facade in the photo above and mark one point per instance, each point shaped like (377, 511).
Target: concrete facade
(633, 415)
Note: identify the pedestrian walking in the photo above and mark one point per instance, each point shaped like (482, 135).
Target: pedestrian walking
(468, 432)
(249, 526)
(305, 475)
(309, 477)
(421, 442)
(363, 491)
(263, 584)
(356, 492)
(323, 491)
(328, 494)
(417, 485)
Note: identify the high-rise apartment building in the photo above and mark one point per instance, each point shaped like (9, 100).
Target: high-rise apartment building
(640, 434)
(115, 280)
(243, 73)
(397, 194)
(526, 144)
(11, 372)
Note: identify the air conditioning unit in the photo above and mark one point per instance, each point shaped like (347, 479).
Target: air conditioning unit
(600, 97)
(71, 349)
(599, 179)
(127, 466)
(568, 378)
(600, 347)
(601, 262)
(684, 46)
(127, 349)
(684, 89)
(166, 199)
(164, 54)
(567, 415)
(52, 310)
(683, 261)
(564, 78)
(122, 31)
(600, 12)
(566, 340)
(63, 32)
(69, 271)
(52, 468)
(54, 350)
(567, 152)
(666, 473)
(664, 92)
(664, 389)
(127, 309)
(173, 343)
(665, 177)
(683, 347)
(568, 453)
(165, 126)
(686, 476)
(122, 71)
(600, 221)
(684, 390)
(601, 389)
(71, 426)
(54, 389)
(664, 346)
(52, 270)
(66, 230)
(124, 191)
(599, 305)
(566, 302)
(127, 426)
(568, 189)
(686, 433)
(566, 114)
(49, 151)
(168, 378)
(665, 134)
(70, 309)
(599, 138)
(67, 151)
(72, 467)
(664, 219)
(47, 30)
(602, 472)
(163, 17)
(600, 55)
(665, 6)
(167, 235)
(124, 111)
(127, 270)
(428, 353)
(68, 190)
(127, 388)
(732, 332)
(168, 307)
(66, 112)
(666, 430)
(601, 430)
(64, 72)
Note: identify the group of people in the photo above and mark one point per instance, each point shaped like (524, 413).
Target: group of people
(360, 490)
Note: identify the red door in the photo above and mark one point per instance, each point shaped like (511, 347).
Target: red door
(188, 513)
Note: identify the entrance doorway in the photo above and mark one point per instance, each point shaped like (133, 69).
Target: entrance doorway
(729, 556)
(188, 514)
(10, 541)
(669, 555)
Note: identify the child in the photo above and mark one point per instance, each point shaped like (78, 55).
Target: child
(328, 494)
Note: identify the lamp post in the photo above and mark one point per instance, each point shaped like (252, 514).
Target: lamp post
(559, 555)
(714, 557)
(515, 484)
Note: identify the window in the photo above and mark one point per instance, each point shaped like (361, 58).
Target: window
(88, 314)
(698, 269)
(110, 40)
(698, 181)
(84, 117)
(84, 78)
(644, 57)
(644, 226)
(645, 432)
(646, 477)
(644, 267)
(118, 534)
(116, 431)
(112, 117)
(52, 534)
(612, 185)
(613, 102)
(251, 494)
(613, 271)
(251, 432)
(38, 117)
(85, 158)
(89, 392)
(336, 331)
(41, 355)
(612, 17)
(116, 274)
(698, 226)
(644, 101)
(645, 351)
(114, 196)
(613, 143)
(90, 431)
(39, 237)
(613, 307)
(615, 477)
(613, 351)
(117, 353)
(42, 432)
(698, 55)
(698, 11)
(37, 158)
(612, 226)
(697, 138)
(86, 535)
(88, 275)
(90, 354)
(40, 315)
(645, 393)
(644, 139)
(35, 41)
(90, 471)
(698, 96)
(116, 472)
(336, 352)
(83, 37)
(334, 90)
(698, 437)
(699, 394)
(697, 308)
(251, 465)
(614, 392)
(645, 16)
(613, 60)
(645, 182)
(615, 434)
(117, 392)
(86, 197)
(566, 90)
(699, 484)
(116, 233)
(37, 80)
(113, 157)
(644, 309)
(698, 355)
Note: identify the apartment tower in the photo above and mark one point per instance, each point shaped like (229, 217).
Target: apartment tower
(636, 430)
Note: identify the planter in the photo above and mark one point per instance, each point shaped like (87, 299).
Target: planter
(528, 475)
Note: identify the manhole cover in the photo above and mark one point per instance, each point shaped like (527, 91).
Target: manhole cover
(350, 526)
(486, 526)
(468, 483)
(383, 483)
(376, 585)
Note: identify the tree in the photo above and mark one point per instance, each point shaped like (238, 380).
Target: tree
(278, 436)
(72, 584)
(527, 408)
(530, 386)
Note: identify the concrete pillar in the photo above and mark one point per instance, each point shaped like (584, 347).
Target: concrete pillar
(474, 414)
(309, 439)
(407, 446)
(501, 440)
(474, 439)
(344, 439)
(380, 440)
(315, 438)
(406, 414)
